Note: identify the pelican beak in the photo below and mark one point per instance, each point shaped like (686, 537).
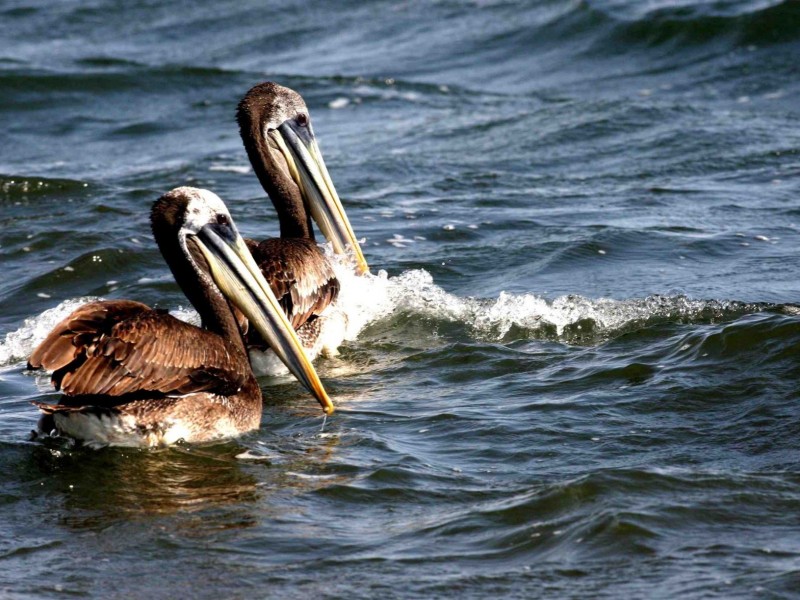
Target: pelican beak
(300, 149)
(241, 281)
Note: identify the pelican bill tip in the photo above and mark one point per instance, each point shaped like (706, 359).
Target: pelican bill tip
(324, 400)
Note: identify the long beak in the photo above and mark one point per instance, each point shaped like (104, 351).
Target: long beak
(308, 169)
(240, 279)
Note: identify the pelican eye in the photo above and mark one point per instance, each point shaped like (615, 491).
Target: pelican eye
(302, 120)
(223, 220)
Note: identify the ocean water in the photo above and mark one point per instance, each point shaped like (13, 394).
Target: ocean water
(574, 369)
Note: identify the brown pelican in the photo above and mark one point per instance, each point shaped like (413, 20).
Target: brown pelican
(134, 376)
(276, 131)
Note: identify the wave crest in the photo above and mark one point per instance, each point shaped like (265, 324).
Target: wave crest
(370, 298)
(19, 344)
(572, 319)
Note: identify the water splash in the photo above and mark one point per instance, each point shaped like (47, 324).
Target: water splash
(573, 319)
(19, 344)
(370, 298)
(187, 315)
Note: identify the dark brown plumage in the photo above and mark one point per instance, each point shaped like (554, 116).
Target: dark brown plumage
(300, 275)
(277, 134)
(265, 107)
(118, 347)
(132, 375)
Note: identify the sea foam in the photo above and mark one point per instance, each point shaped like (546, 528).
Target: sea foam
(366, 299)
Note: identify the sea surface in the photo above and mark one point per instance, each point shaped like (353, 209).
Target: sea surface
(573, 371)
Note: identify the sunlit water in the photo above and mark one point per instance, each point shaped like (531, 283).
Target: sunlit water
(573, 370)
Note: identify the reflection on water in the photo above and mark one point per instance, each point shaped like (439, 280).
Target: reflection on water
(100, 488)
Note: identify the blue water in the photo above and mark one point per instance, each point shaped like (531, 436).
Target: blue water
(576, 370)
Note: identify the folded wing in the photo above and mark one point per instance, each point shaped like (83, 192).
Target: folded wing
(119, 347)
(300, 276)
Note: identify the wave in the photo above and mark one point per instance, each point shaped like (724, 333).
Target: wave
(22, 188)
(599, 514)
(371, 298)
(599, 40)
(653, 24)
(19, 344)
(569, 318)
(753, 22)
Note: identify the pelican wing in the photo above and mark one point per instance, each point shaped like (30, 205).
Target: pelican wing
(113, 348)
(300, 276)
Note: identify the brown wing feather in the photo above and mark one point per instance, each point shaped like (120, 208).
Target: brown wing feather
(80, 328)
(299, 274)
(119, 347)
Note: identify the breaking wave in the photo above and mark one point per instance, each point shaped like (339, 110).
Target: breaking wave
(371, 298)
(367, 299)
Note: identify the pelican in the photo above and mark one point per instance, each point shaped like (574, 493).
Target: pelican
(135, 376)
(276, 131)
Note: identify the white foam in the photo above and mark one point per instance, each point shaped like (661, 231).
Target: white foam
(365, 299)
(186, 314)
(368, 298)
(19, 344)
(338, 103)
(240, 169)
(362, 298)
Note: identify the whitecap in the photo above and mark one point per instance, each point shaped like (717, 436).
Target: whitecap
(240, 169)
(19, 344)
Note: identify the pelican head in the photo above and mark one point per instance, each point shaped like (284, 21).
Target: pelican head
(275, 126)
(195, 224)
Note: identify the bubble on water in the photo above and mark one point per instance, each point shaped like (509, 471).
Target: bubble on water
(338, 103)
